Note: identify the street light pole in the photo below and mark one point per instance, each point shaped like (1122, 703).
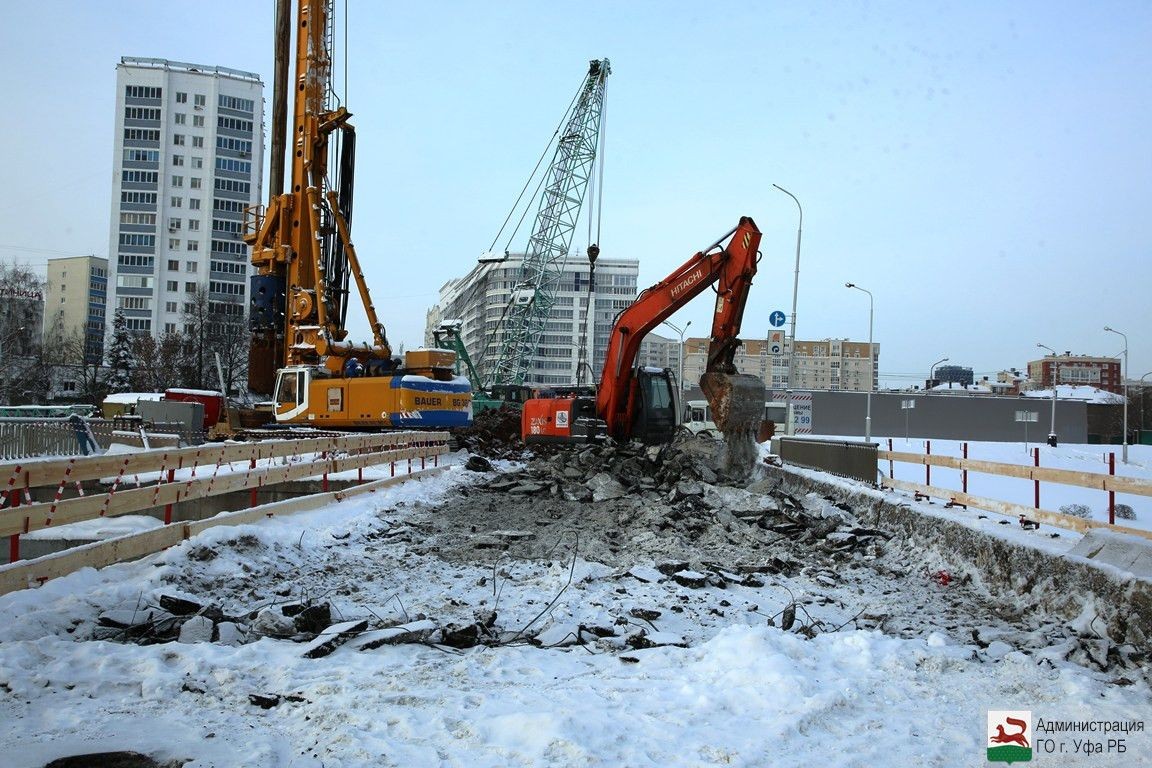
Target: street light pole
(1124, 378)
(680, 354)
(1052, 430)
(932, 371)
(1143, 397)
(871, 365)
(795, 291)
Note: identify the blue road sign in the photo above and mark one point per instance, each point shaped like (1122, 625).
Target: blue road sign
(777, 318)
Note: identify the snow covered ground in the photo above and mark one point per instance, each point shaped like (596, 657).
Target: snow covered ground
(731, 690)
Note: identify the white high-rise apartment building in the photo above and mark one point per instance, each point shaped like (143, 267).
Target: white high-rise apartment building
(187, 161)
(480, 299)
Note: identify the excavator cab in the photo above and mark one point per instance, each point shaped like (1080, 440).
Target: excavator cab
(656, 412)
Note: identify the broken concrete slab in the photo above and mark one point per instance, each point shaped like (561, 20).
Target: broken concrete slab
(197, 629)
(411, 632)
(333, 637)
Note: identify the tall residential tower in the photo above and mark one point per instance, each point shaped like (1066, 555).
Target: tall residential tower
(187, 160)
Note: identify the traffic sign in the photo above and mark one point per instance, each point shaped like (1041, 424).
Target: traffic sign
(777, 318)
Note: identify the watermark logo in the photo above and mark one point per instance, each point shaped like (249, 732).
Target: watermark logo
(1009, 736)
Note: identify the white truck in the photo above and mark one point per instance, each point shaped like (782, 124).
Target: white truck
(698, 417)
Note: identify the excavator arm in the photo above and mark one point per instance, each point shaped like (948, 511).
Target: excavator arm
(737, 400)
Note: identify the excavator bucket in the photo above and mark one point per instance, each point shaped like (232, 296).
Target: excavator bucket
(737, 401)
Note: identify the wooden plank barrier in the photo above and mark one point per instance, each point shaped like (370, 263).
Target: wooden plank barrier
(327, 456)
(1093, 480)
(1070, 522)
(31, 573)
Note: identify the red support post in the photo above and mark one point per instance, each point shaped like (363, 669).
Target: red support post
(927, 467)
(964, 472)
(1112, 494)
(14, 539)
(252, 490)
(1036, 481)
(168, 506)
(891, 464)
(324, 479)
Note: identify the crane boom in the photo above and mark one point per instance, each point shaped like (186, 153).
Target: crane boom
(559, 208)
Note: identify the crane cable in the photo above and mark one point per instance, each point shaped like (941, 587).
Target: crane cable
(528, 182)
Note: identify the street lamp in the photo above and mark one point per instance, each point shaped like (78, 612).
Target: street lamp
(795, 290)
(1052, 430)
(1124, 378)
(1143, 397)
(680, 355)
(932, 372)
(871, 365)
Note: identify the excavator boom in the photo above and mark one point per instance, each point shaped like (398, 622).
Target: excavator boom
(641, 403)
(736, 399)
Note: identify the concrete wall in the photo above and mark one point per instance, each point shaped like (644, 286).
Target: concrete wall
(947, 417)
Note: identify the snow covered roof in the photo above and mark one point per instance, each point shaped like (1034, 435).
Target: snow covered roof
(1078, 392)
(127, 398)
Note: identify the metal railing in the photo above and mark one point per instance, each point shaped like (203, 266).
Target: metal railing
(26, 438)
(840, 457)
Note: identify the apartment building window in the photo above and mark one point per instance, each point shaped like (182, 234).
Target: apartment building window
(194, 182)
(200, 101)
(198, 142)
(181, 98)
(193, 245)
(190, 266)
(173, 243)
(189, 287)
(177, 181)
(169, 327)
(172, 285)
(177, 159)
(197, 121)
(178, 139)
(194, 224)
(194, 203)
(174, 224)
(142, 92)
(181, 118)
(141, 156)
(173, 265)
(169, 306)
(176, 202)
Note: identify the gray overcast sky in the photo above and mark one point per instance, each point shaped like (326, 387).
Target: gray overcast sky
(984, 168)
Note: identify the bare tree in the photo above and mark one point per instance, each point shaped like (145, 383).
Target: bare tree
(21, 317)
(75, 373)
(214, 326)
(158, 362)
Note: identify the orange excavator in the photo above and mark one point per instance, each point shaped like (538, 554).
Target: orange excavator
(636, 402)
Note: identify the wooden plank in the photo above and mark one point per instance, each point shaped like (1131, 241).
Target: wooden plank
(1013, 510)
(40, 515)
(30, 573)
(1095, 480)
(36, 473)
